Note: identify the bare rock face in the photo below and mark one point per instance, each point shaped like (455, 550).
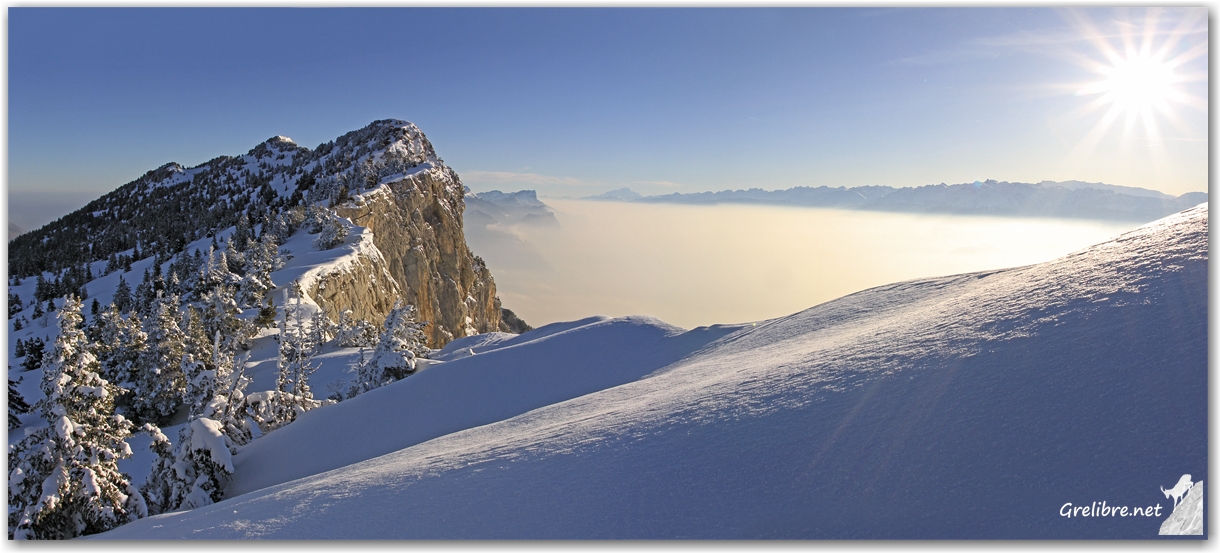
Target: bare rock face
(364, 286)
(416, 222)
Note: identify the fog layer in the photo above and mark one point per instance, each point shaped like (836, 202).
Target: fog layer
(701, 265)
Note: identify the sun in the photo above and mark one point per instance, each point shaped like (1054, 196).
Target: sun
(1137, 84)
(1142, 74)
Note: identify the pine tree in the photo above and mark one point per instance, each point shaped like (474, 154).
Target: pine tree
(196, 363)
(163, 489)
(292, 395)
(64, 479)
(16, 402)
(14, 304)
(42, 289)
(120, 341)
(331, 230)
(351, 333)
(321, 329)
(158, 384)
(394, 358)
(193, 473)
(262, 258)
(122, 295)
(266, 314)
(228, 405)
(219, 314)
(33, 354)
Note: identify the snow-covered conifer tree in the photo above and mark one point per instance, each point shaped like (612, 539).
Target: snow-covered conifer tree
(331, 231)
(321, 329)
(158, 385)
(192, 474)
(262, 258)
(394, 358)
(118, 344)
(64, 479)
(163, 490)
(122, 296)
(234, 256)
(292, 395)
(16, 403)
(352, 333)
(214, 272)
(220, 310)
(315, 218)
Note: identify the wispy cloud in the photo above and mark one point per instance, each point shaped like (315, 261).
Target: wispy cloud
(498, 177)
(1079, 30)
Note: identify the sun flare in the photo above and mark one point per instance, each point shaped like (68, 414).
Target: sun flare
(1142, 75)
(1136, 84)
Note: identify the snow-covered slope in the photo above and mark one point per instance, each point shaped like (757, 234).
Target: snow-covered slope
(971, 406)
(545, 366)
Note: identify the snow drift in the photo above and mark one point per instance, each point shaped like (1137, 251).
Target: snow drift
(970, 406)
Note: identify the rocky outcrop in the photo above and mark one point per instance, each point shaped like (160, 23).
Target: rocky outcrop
(416, 223)
(1187, 517)
(363, 285)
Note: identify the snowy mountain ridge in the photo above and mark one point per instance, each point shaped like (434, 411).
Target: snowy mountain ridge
(210, 196)
(385, 176)
(969, 406)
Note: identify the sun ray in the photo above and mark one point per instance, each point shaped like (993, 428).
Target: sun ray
(1139, 74)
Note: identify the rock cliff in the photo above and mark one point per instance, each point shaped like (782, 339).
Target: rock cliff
(416, 223)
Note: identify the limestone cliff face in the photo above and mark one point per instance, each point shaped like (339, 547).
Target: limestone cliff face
(407, 207)
(416, 224)
(363, 285)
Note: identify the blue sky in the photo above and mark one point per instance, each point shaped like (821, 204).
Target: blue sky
(581, 101)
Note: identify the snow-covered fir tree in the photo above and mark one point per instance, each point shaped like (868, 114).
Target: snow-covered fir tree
(214, 273)
(219, 313)
(33, 354)
(163, 490)
(122, 295)
(262, 258)
(16, 403)
(192, 474)
(401, 342)
(159, 385)
(321, 329)
(316, 217)
(292, 395)
(197, 368)
(228, 402)
(354, 333)
(64, 479)
(331, 229)
(119, 342)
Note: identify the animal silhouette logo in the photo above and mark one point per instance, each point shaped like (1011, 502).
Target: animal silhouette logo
(1188, 519)
(1184, 484)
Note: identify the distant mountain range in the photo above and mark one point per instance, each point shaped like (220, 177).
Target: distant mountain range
(1070, 199)
(496, 207)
